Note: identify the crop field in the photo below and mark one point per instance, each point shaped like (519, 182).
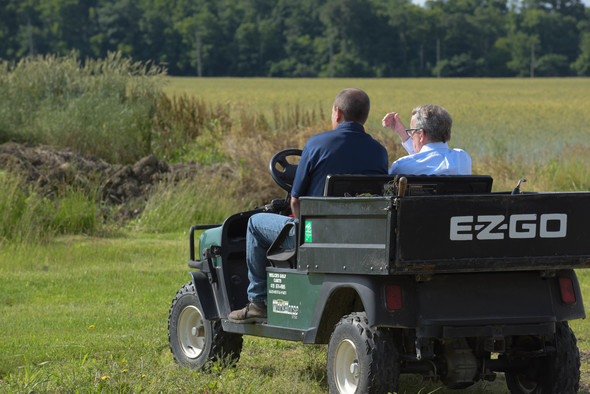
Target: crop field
(536, 119)
(88, 312)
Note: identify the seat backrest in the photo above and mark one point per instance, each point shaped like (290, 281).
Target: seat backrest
(277, 255)
(353, 185)
(417, 185)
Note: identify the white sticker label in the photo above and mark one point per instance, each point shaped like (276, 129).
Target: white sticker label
(283, 307)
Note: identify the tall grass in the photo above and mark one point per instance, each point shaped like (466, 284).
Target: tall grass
(99, 107)
(28, 216)
(116, 109)
(177, 206)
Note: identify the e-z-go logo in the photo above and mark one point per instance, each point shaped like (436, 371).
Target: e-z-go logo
(521, 226)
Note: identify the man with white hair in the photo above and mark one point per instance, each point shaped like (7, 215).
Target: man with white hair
(426, 142)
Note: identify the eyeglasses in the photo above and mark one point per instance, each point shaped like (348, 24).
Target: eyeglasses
(411, 132)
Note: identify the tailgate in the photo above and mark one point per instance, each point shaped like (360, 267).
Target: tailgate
(492, 232)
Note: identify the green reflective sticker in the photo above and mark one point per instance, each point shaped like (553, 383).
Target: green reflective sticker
(308, 231)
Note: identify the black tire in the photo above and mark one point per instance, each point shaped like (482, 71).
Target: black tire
(194, 341)
(557, 373)
(362, 359)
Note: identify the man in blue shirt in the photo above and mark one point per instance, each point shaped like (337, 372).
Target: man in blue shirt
(347, 149)
(426, 143)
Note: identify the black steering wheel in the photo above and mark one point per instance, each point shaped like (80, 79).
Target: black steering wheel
(282, 168)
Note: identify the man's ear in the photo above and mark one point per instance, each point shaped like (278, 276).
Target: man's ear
(338, 115)
(423, 136)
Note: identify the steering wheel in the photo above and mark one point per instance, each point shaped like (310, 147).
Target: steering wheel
(282, 168)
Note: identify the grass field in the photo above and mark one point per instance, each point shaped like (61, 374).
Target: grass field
(88, 314)
(85, 314)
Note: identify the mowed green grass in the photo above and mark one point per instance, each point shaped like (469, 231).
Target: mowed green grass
(90, 314)
(533, 119)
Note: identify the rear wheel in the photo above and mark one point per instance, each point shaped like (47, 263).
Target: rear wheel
(557, 373)
(195, 340)
(362, 359)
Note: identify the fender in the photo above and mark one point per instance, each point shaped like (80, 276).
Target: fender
(340, 296)
(205, 295)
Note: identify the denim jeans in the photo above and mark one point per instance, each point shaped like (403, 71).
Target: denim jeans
(263, 228)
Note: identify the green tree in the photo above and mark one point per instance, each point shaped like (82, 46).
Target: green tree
(67, 25)
(581, 66)
(119, 27)
(519, 45)
(408, 39)
(351, 35)
(159, 41)
(305, 47)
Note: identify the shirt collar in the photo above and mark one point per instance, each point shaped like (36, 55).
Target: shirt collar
(435, 146)
(351, 126)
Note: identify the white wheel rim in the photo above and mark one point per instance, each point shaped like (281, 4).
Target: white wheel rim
(346, 367)
(191, 332)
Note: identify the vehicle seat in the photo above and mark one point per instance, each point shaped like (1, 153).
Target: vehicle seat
(417, 185)
(277, 255)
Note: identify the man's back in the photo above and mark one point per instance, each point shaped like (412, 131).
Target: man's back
(434, 159)
(348, 149)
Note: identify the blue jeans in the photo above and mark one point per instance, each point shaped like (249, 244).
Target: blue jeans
(263, 228)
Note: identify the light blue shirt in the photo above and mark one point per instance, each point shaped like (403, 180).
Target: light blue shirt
(433, 159)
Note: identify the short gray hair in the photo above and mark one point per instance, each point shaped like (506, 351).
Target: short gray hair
(434, 120)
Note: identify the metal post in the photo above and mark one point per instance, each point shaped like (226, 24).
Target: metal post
(533, 60)
(438, 58)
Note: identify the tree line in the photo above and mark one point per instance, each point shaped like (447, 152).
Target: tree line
(311, 38)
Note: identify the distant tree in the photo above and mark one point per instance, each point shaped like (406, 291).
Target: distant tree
(118, 22)
(552, 65)
(407, 38)
(309, 38)
(521, 48)
(581, 66)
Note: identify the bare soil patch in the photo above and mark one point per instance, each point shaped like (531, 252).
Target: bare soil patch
(124, 186)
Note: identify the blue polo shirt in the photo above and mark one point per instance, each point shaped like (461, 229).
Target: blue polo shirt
(345, 150)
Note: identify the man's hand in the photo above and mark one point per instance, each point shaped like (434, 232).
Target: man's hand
(393, 122)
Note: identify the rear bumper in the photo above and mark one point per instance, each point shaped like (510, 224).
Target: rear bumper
(482, 304)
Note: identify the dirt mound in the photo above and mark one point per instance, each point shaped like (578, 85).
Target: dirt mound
(49, 169)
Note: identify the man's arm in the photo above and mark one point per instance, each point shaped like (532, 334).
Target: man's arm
(295, 207)
(393, 122)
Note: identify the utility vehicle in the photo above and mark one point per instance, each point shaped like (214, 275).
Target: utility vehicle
(430, 275)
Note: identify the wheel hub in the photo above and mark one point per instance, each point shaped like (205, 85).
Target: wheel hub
(346, 367)
(191, 332)
(354, 369)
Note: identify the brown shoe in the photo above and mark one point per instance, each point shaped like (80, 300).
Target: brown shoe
(251, 313)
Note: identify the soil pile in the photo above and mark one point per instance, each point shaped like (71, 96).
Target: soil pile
(123, 185)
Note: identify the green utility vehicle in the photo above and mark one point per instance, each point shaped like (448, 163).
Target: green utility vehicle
(430, 275)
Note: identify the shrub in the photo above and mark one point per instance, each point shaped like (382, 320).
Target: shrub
(102, 107)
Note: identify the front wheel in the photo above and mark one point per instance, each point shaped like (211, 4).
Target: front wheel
(557, 373)
(362, 359)
(195, 340)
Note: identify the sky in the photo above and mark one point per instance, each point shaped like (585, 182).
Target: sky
(421, 2)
